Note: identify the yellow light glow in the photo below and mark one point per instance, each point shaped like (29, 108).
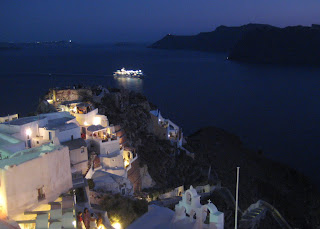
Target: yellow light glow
(28, 132)
(96, 121)
(126, 163)
(116, 225)
(85, 123)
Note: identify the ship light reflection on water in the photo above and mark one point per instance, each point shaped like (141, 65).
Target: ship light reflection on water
(129, 83)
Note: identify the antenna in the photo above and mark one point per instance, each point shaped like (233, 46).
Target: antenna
(237, 190)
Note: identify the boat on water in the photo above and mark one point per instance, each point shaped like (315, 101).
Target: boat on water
(123, 73)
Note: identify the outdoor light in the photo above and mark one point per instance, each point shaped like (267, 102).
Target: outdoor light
(85, 123)
(74, 223)
(96, 121)
(28, 132)
(116, 225)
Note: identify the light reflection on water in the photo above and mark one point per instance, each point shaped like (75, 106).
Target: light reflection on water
(129, 83)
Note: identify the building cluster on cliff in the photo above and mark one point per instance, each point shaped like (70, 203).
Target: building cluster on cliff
(48, 161)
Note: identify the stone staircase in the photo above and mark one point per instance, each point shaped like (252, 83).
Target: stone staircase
(256, 212)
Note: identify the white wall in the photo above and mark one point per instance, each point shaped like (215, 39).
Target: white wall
(79, 159)
(50, 171)
(88, 118)
(109, 146)
(8, 118)
(65, 136)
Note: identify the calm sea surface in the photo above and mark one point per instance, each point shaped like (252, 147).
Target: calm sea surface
(272, 108)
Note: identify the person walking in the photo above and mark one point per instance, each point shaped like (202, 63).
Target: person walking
(93, 223)
(86, 218)
(80, 224)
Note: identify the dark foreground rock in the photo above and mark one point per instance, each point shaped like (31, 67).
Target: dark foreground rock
(296, 198)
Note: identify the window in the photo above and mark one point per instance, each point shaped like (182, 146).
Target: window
(38, 142)
(71, 137)
(41, 195)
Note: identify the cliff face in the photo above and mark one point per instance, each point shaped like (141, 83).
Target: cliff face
(260, 178)
(296, 45)
(220, 40)
(291, 45)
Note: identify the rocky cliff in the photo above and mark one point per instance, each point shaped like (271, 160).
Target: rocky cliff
(291, 45)
(295, 45)
(222, 39)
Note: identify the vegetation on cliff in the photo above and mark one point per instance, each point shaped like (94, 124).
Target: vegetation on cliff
(123, 209)
(261, 178)
(219, 152)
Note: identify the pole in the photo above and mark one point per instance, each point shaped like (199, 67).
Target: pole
(237, 190)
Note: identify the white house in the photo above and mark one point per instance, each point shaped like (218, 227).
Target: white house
(101, 138)
(112, 183)
(166, 129)
(8, 118)
(78, 155)
(42, 129)
(32, 177)
(188, 214)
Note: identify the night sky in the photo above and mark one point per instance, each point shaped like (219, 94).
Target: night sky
(102, 21)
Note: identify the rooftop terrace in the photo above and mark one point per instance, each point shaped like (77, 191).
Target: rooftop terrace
(25, 120)
(28, 154)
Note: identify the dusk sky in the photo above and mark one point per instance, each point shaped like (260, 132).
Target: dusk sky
(141, 20)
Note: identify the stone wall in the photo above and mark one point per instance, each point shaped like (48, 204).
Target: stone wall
(71, 94)
(134, 176)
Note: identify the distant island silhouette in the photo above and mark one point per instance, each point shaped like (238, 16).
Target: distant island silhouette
(258, 43)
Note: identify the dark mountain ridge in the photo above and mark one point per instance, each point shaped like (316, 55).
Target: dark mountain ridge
(220, 40)
(257, 43)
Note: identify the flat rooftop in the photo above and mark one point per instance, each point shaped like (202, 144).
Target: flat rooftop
(28, 154)
(75, 144)
(6, 139)
(60, 124)
(25, 120)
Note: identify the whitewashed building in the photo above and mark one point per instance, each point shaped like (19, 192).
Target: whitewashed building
(78, 155)
(42, 129)
(188, 214)
(8, 118)
(166, 129)
(32, 177)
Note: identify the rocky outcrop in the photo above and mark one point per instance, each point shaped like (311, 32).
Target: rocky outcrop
(146, 179)
(258, 43)
(291, 45)
(223, 39)
(296, 198)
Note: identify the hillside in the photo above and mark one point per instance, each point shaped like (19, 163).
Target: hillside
(256, 43)
(290, 45)
(222, 39)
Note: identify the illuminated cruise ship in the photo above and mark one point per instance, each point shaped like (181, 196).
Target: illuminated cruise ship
(123, 73)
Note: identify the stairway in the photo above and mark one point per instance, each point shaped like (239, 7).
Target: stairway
(256, 212)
